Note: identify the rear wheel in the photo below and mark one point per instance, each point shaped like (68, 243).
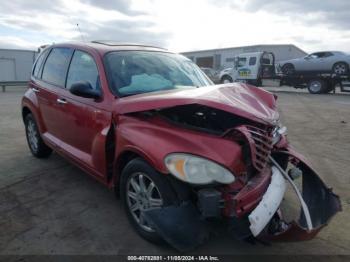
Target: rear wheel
(317, 86)
(340, 68)
(226, 80)
(142, 188)
(36, 145)
(288, 69)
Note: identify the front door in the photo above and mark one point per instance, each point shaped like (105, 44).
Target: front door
(86, 120)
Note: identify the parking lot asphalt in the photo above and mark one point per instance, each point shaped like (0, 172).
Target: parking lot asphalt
(51, 207)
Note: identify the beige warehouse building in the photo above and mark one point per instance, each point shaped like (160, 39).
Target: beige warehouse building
(223, 57)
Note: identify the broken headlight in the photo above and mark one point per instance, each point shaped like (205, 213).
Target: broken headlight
(196, 170)
(277, 133)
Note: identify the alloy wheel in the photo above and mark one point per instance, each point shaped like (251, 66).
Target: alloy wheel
(142, 194)
(340, 69)
(32, 134)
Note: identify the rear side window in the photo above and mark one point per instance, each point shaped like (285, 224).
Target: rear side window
(83, 68)
(252, 61)
(55, 68)
(39, 62)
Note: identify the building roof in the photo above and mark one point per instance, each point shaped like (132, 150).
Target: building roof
(17, 50)
(237, 47)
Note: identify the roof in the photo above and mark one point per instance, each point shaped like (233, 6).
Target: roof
(113, 43)
(103, 47)
(250, 46)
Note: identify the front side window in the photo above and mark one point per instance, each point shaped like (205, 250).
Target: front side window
(241, 61)
(55, 68)
(316, 55)
(135, 72)
(83, 68)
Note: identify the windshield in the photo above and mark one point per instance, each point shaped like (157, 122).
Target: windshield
(135, 72)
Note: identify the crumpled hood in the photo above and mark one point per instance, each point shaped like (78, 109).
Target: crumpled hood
(236, 98)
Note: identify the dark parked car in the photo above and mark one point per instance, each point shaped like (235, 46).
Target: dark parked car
(176, 148)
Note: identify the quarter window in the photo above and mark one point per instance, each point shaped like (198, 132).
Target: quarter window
(39, 62)
(83, 68)
(55, 68)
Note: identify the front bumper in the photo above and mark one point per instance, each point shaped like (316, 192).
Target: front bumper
(184, 227)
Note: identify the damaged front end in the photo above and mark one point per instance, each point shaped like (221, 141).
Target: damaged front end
(262, 166)
(254, 211)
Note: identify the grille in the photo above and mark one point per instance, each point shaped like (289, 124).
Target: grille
(262, 146)
(259, 142)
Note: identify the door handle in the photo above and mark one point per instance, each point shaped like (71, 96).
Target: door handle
(36, 90)
(61, 101)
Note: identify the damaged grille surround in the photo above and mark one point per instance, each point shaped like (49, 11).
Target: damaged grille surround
(257, 140)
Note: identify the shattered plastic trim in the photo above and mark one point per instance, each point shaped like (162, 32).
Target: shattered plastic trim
(269, 204)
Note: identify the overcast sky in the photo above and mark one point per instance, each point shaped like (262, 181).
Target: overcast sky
(180, 25)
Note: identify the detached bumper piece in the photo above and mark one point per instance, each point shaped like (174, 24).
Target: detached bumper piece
(318, 205)
(269, 204)
(181, 226)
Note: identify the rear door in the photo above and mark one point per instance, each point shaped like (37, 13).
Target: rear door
(48, 85)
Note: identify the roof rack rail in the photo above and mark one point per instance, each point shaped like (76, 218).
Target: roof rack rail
(113, 43)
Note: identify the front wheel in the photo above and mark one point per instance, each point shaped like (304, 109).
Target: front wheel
(142, 188)
(226, 80)
(36, 145)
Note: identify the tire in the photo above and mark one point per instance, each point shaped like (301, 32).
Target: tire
(135, 170)
(288, 69)
(340, 68)
(317, 86)
(35, 143)
(226, 79)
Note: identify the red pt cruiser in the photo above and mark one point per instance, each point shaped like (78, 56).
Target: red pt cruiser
(179, 150)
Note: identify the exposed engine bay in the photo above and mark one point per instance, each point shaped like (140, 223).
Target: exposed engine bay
(202, 118)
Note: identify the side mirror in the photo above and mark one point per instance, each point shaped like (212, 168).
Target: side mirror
(84, 89)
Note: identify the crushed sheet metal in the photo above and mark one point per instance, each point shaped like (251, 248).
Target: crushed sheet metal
(181, 226)
(236, 98)
(269, 204)
(302, 202)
